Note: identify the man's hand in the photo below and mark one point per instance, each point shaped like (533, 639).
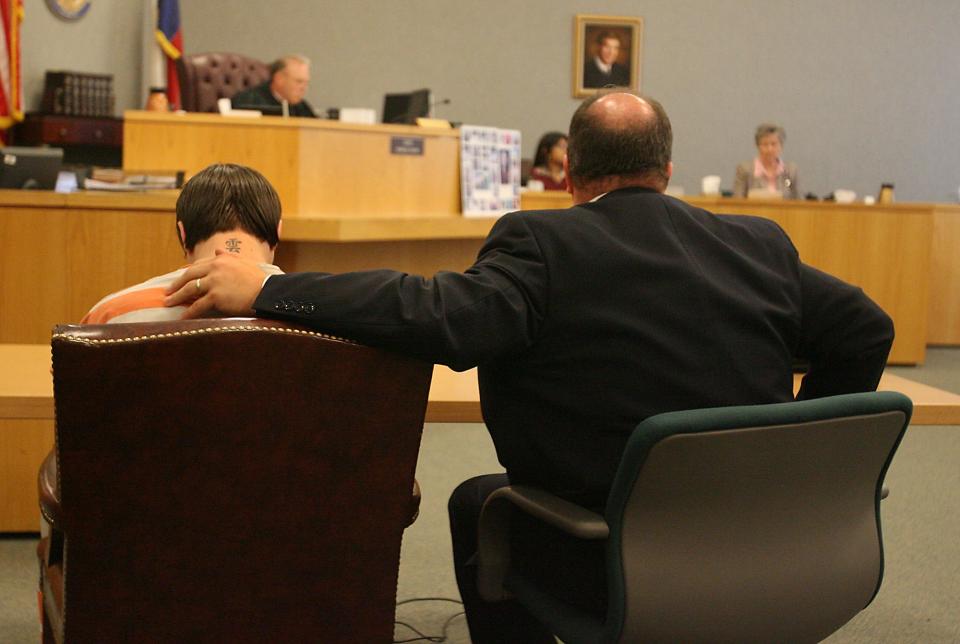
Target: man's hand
(223, 283)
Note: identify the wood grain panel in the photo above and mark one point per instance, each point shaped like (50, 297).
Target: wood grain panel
(191, 144)
(943, 327)
(24, 443)
(59, 262)
(26, 385)
(318, 167)
(354, 173)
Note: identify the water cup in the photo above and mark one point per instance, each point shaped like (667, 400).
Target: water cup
(710, 184)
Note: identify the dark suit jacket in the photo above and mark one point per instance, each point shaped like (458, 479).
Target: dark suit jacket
(260, 97)
(594, 77)
(585, 321)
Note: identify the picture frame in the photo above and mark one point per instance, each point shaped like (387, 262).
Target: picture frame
(606, 51)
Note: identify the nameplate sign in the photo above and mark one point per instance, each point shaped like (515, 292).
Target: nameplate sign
(408, 145)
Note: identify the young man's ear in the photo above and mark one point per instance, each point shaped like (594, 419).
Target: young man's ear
(279, 232)
(183, 236)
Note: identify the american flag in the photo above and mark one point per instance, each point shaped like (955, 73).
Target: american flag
(11, 87)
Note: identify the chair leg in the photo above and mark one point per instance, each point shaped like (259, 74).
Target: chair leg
(47, 636)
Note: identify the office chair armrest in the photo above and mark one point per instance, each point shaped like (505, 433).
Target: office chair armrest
(560, 513)
(493, 546)
(47, 488)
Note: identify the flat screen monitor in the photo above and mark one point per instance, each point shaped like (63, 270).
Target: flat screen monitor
(30, 168)
(406, 108)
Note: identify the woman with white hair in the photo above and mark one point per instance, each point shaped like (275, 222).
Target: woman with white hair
(767, 174)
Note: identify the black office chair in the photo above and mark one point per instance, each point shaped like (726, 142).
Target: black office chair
(737, 524)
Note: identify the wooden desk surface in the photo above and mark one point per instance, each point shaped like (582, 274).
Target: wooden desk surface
(454, 398)
(26, 391)
(149, 200)
(26, 386)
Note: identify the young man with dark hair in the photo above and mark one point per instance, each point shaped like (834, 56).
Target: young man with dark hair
(225, 207)
(584, 322)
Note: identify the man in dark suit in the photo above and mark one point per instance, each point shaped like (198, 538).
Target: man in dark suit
(287, 85)
(603, 69)
(585, 321)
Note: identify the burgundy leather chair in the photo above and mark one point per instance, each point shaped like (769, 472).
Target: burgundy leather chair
(206, 78)
(226, 481)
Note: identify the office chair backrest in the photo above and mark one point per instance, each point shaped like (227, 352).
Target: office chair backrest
(232, 480)
(751, 523)
(206, 78)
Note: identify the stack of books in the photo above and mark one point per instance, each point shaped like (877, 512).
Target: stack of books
(78, 94)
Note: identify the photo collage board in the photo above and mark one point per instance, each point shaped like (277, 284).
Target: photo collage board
(489, 170)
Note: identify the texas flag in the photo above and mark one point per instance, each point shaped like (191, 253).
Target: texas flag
(171, 42)
(11, 87)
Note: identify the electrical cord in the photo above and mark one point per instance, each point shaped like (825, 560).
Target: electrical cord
(422, 637)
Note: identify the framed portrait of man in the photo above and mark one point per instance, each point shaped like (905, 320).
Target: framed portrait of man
(606, 53)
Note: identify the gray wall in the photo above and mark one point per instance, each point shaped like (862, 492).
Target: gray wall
(867, 89)
(106, 40)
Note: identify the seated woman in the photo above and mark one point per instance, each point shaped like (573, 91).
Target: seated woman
(767, 173)
(548, 162)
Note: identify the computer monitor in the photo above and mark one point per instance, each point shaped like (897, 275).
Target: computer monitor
(30, 168)
(406, 108)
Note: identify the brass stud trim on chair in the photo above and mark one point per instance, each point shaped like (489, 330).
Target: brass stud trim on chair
(201, 331)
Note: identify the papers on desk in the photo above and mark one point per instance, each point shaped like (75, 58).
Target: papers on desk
(243, 113)
(120, 182)
(225, 107)
(489, 170)
(93, 184)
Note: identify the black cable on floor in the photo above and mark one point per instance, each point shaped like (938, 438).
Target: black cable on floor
(422, 637)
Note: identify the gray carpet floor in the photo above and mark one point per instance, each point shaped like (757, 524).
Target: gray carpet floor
(918, 602)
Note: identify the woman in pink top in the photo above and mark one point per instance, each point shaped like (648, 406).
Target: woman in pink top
(767, 173)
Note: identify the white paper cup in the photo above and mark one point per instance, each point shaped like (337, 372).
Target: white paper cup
(710, 184)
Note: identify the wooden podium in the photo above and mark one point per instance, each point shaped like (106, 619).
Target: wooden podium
(319, 168)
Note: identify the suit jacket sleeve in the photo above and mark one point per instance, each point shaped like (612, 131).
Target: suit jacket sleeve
(458, 319)
(845, 336)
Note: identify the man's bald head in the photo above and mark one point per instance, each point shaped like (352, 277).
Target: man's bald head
(620, 136)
